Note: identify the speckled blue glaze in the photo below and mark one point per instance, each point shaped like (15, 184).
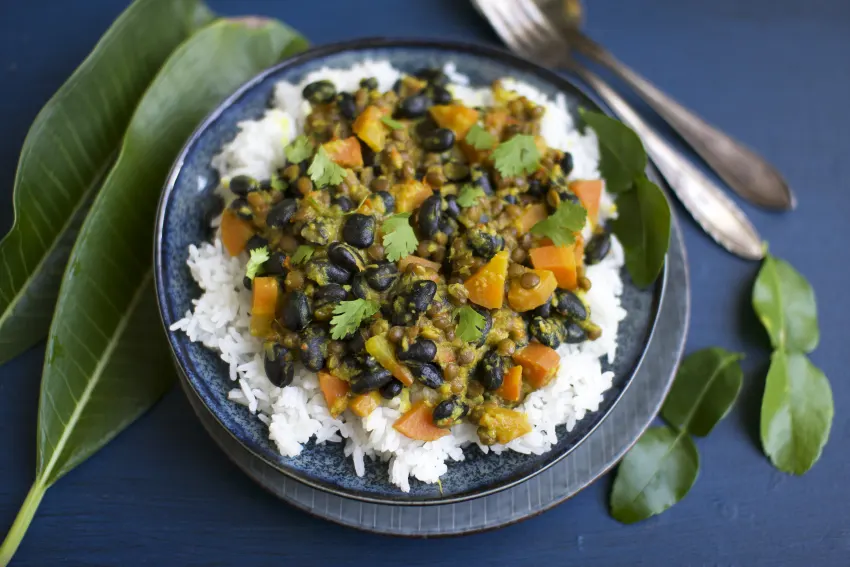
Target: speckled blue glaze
(188, 203)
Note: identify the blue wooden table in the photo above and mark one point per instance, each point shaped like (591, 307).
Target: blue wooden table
(772, 72)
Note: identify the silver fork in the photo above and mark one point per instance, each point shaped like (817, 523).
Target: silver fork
(527, 31)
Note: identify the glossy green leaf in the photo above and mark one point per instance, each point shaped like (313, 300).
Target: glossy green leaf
(785, 303)
(107, 357)
(622, 158)
(706, 386)
(68, 150)
(655, 474)
(643, 227)
(796, 412)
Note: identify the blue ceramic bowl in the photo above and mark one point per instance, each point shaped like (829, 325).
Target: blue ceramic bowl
(188, 203)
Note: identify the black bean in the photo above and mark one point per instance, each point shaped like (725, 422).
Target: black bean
(346, 257)
(452, 208)
(426, 126)
(331, 293)
(247, 283)
(356, 345)
(318, 230)
(242, 208)
(573, 333)
(536, 189)
(421, 294)
(491, 370)
(295, 312)
(388, 200)
(413, 106)
(381, 277)
(448, 412)
(371, 362)
(481, 179)
(391, 389)
(439, 140)
(369, 83)
(484, 243)
(448, 227)
(281, 213)
(440, 95)
(509, 199)
(319, 92)
(544, 310)
(597, 248)
(359, 230)
(314, 347)
(347, 106)
(344, 203)
(370, 380)
(242, 185)
(429, 216)
(546, 331)
(274, 265)
(570, 305)
(397, 86)
(567, 163)
(432, 75)
(359, 287)
(422, 350)
(279, 364)
(428, 374)
(323, 272)
(367, 153)
(256, 242)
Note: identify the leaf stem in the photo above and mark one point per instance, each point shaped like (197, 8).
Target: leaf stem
(22, 523)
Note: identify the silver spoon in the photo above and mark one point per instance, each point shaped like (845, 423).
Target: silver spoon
(521, 25)
(746, 172)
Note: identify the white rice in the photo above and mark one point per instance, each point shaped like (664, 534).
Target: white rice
(297, 413)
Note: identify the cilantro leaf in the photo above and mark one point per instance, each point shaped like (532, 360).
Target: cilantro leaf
(302, 254)
(469, 195)
(300, 149)
(470, 324)
(323, 171)
(399, 238)
(479, 138)
(278, 184)
(259, 256)
(349, 314)
(394, 124)
(622, 159)
(562, 224)
(517, 156)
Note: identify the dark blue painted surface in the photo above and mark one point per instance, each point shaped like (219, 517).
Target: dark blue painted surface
(772, 72)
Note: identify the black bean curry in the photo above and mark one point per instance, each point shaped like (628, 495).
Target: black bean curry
(418, 248)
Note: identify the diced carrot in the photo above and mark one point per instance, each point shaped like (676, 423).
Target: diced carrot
(504, 424)
(578, 249)
(409, 195)
(539, 364)
(235, 232)
(383, 351)
(370, 129)
(589, 191)
(266, 292)
(532, 215)
(560, 260)
(486, 287)
(364, 404)
(456, 117)
(496, 120)
(418, 423)
(522, 299)
(335, 391)
(511, 388)
(345, 152)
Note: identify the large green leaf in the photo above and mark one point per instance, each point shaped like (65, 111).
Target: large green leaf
(796, 412)
(68, 150)
(643, 227)
(107, 358)
(622, 158)
(706, 385)
(655, 474)
(785, 303)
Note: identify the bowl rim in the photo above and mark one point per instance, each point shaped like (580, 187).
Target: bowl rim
(504, 57)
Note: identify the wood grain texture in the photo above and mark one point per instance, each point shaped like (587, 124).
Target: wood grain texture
(768, 72)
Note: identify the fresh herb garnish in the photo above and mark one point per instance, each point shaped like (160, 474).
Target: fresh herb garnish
(399, 238)
(797, 407)
(394, 124)
(349, 314)
(663, 465)
(470, 324)
(517, 156)
(324, 171)
(560, 227)
(278, 184)
(259, 256)
(302, 254)
(300, 149)
(622, 158)
(469, 195)
(479, 138)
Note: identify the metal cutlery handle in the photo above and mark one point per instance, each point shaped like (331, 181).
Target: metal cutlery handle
(749, 174)
(713, 210)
